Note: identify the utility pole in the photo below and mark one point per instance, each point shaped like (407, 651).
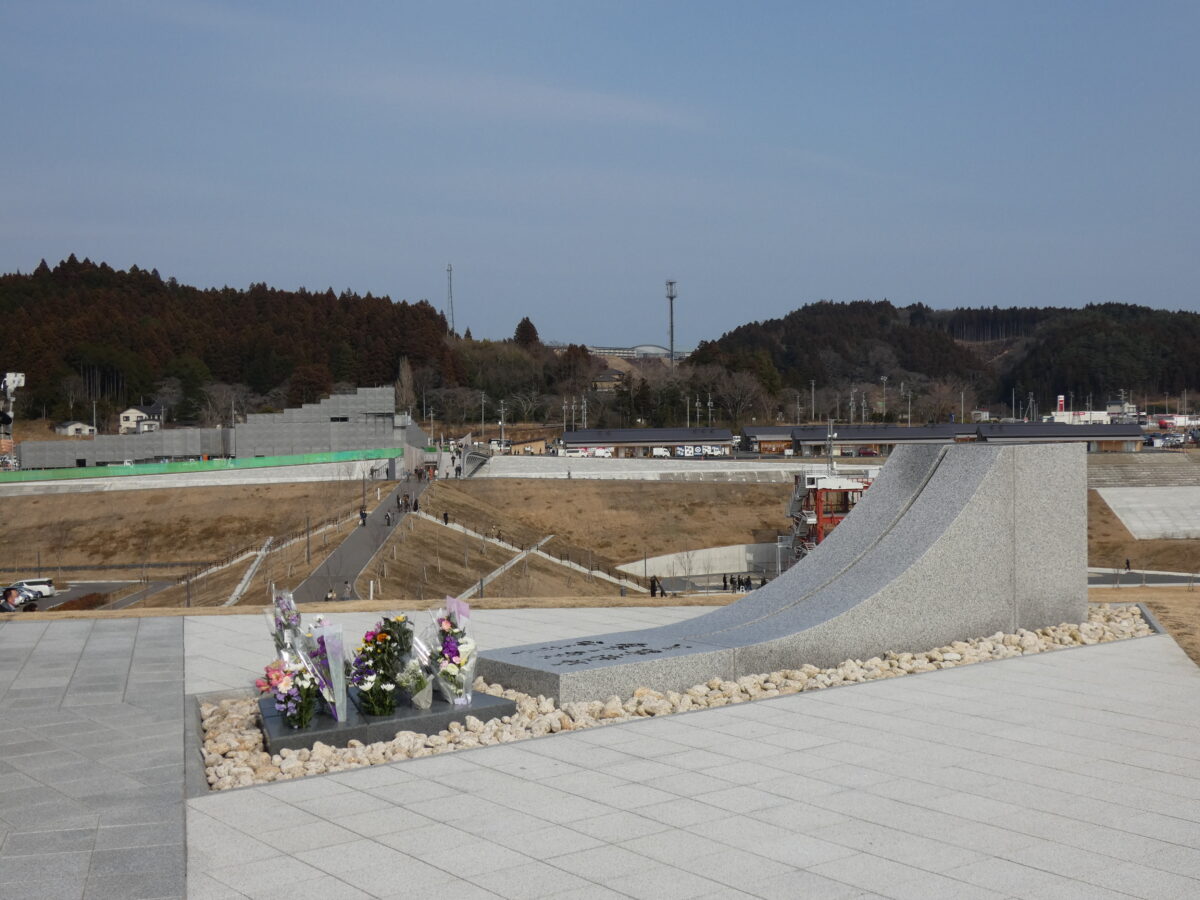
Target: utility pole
(852, 393)
(583, 403)
(502, 426)
(812, 383)
(671, 319)
(883, 381)
(482, 405)
(710, 409)
(450, 295)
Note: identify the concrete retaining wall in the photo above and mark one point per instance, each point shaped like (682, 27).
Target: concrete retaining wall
(708, 561)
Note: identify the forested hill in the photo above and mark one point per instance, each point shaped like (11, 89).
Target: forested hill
(1099, 349)
(94, 339)
(119, 334)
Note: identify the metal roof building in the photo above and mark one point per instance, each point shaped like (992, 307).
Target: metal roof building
(872, 439)
(632, 443)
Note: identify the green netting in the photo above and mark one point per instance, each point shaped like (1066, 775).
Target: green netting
(207, 465)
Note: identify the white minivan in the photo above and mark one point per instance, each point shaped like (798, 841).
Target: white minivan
(43, 587)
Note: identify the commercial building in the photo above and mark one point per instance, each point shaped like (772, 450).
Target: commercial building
(635, 443)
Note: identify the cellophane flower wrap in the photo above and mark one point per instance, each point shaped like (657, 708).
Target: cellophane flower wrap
(416, 681)
(294, 689)
(283, 621)
(378, 667)
(321, 652)
(452, 652)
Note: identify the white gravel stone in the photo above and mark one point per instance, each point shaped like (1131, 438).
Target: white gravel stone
(233, 745)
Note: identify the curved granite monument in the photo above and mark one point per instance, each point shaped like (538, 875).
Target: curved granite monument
(950, 542)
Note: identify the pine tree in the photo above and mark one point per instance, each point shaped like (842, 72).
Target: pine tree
(526, 334)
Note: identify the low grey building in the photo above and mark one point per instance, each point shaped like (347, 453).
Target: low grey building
(364, 420)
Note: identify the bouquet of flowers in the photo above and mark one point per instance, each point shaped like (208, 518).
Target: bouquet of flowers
(377, 667)
(283, 621)
(415, 680)
(451, 653)
(321, 653)
(294, 689)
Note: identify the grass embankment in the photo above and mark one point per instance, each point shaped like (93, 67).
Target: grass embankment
(615, 522)
(1110, 544)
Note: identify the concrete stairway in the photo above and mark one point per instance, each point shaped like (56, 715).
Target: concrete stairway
(1145, 469)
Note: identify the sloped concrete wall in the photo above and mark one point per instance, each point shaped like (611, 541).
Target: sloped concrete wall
(949, 543)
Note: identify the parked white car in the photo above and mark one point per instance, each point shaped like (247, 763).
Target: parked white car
(42, 587)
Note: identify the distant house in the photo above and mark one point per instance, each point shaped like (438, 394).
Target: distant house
(141, 419)
(608, 380)
(75, 429)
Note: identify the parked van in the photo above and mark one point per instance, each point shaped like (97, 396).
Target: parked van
(43, 587)
(660, 453)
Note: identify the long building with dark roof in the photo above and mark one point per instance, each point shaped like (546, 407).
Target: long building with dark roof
(634, 443)
(880, 439)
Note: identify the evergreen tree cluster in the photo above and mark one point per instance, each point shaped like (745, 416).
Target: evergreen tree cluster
(84, 332)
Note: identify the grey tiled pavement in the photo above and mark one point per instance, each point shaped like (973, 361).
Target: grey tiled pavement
(91, 759)
(1068, 774)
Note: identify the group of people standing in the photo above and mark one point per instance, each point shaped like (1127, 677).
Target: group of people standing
(740, 582)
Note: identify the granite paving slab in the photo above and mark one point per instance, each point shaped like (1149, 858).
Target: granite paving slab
(88, 809)
(926, 786)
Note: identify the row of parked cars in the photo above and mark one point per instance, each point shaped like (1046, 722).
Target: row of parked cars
(31, 590)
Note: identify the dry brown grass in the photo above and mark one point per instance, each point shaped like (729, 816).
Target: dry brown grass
(173, 525)
(1176, 608)
(1110, 544)
(423, 560)
(38, 430)
(535, 576)
(615, 521)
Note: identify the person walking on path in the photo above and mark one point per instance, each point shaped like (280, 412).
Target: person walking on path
(347, 592)
(387, 518)
(330, 595)
(1126, 565)
(362, 516)
(445, 518)
(653, 586)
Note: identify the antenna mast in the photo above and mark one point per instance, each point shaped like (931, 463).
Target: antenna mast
(450, 295)
(671, 310)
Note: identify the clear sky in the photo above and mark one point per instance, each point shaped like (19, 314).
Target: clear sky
(569, 157)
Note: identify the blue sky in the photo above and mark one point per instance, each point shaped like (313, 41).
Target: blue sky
(569, 157)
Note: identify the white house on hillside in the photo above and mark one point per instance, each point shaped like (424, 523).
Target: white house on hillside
(141, 419)
(75, 429)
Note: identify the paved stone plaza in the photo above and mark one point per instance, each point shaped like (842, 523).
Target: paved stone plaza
(1067, 774)
(1156, 512)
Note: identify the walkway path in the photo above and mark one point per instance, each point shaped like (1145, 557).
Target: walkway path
(357, 549)
(91, 758)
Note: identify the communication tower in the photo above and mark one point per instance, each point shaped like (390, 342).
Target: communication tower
(450, 295)
(671, 318)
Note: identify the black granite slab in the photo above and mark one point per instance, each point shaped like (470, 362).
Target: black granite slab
(278, 735)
